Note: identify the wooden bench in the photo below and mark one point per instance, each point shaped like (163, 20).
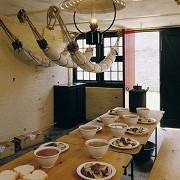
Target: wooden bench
(166, 166)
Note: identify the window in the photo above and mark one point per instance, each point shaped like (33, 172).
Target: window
(113, 76)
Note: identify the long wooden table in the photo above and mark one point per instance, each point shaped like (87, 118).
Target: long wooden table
(75, 137)
(68, 161)
(167, 163)
(78, 154)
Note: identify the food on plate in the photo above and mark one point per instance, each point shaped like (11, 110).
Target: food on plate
(136, 129)
(113, 112)
(36, 175)
(96, 171)
(124, 142)
(62, 146)
(146, 120)
(24, 170)
(8, 175)
(52, 144)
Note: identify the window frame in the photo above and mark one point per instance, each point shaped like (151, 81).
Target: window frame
(100, 82)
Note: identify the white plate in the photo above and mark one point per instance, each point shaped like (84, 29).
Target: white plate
(64, 147)
(99, 119)
(99, 128)
(149, 121)
(144, 130)
(124, 147)
(113, 170)
(113, 112)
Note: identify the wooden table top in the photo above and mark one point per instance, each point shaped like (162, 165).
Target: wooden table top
(75, 137)
(69, 161)
(167, 163)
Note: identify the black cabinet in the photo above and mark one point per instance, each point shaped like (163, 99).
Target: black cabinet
(69, 105)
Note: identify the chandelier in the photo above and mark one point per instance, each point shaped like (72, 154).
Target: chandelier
(93, 7)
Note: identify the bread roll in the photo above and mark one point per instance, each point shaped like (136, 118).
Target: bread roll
(8, 175)
(24, 170)
(36, 175)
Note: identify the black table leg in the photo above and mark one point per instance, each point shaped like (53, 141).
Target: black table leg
(132, 170)
(155, 143)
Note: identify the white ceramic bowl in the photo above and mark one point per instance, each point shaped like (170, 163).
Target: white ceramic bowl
(47, 156)
(88, 131)
(123, 111)
(118, 129)
(130, 119)
(108, 119)
(142, 111)
(97, 147)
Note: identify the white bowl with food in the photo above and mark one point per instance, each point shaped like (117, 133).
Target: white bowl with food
(130, 119)
(88, 131)
(122, 111)
(118, 129)
(108, 119)
(97, 147)
(47, 156)
(142, 111)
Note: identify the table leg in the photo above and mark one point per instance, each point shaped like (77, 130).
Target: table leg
(132, 170)
(155, 143)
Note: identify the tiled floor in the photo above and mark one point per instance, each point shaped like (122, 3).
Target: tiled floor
(141, 169)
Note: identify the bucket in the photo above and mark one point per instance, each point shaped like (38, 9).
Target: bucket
(147, 152)
(137, 97)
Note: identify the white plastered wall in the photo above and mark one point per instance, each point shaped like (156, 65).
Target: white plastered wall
(26, 92)
(99, 100)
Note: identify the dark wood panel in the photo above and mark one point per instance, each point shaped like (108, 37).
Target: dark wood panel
(69, 105)
(170, 77)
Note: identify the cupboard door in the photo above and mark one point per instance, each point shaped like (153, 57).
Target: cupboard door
(69, 105)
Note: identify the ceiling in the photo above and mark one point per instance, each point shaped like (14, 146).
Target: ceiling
(138, 14)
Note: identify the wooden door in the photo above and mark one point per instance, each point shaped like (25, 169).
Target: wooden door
(129, 63)
(170, 77)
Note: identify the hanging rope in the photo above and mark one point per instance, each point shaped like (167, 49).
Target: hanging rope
(61, 58)
(72, 46)
(24, 54)
(13, 39)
